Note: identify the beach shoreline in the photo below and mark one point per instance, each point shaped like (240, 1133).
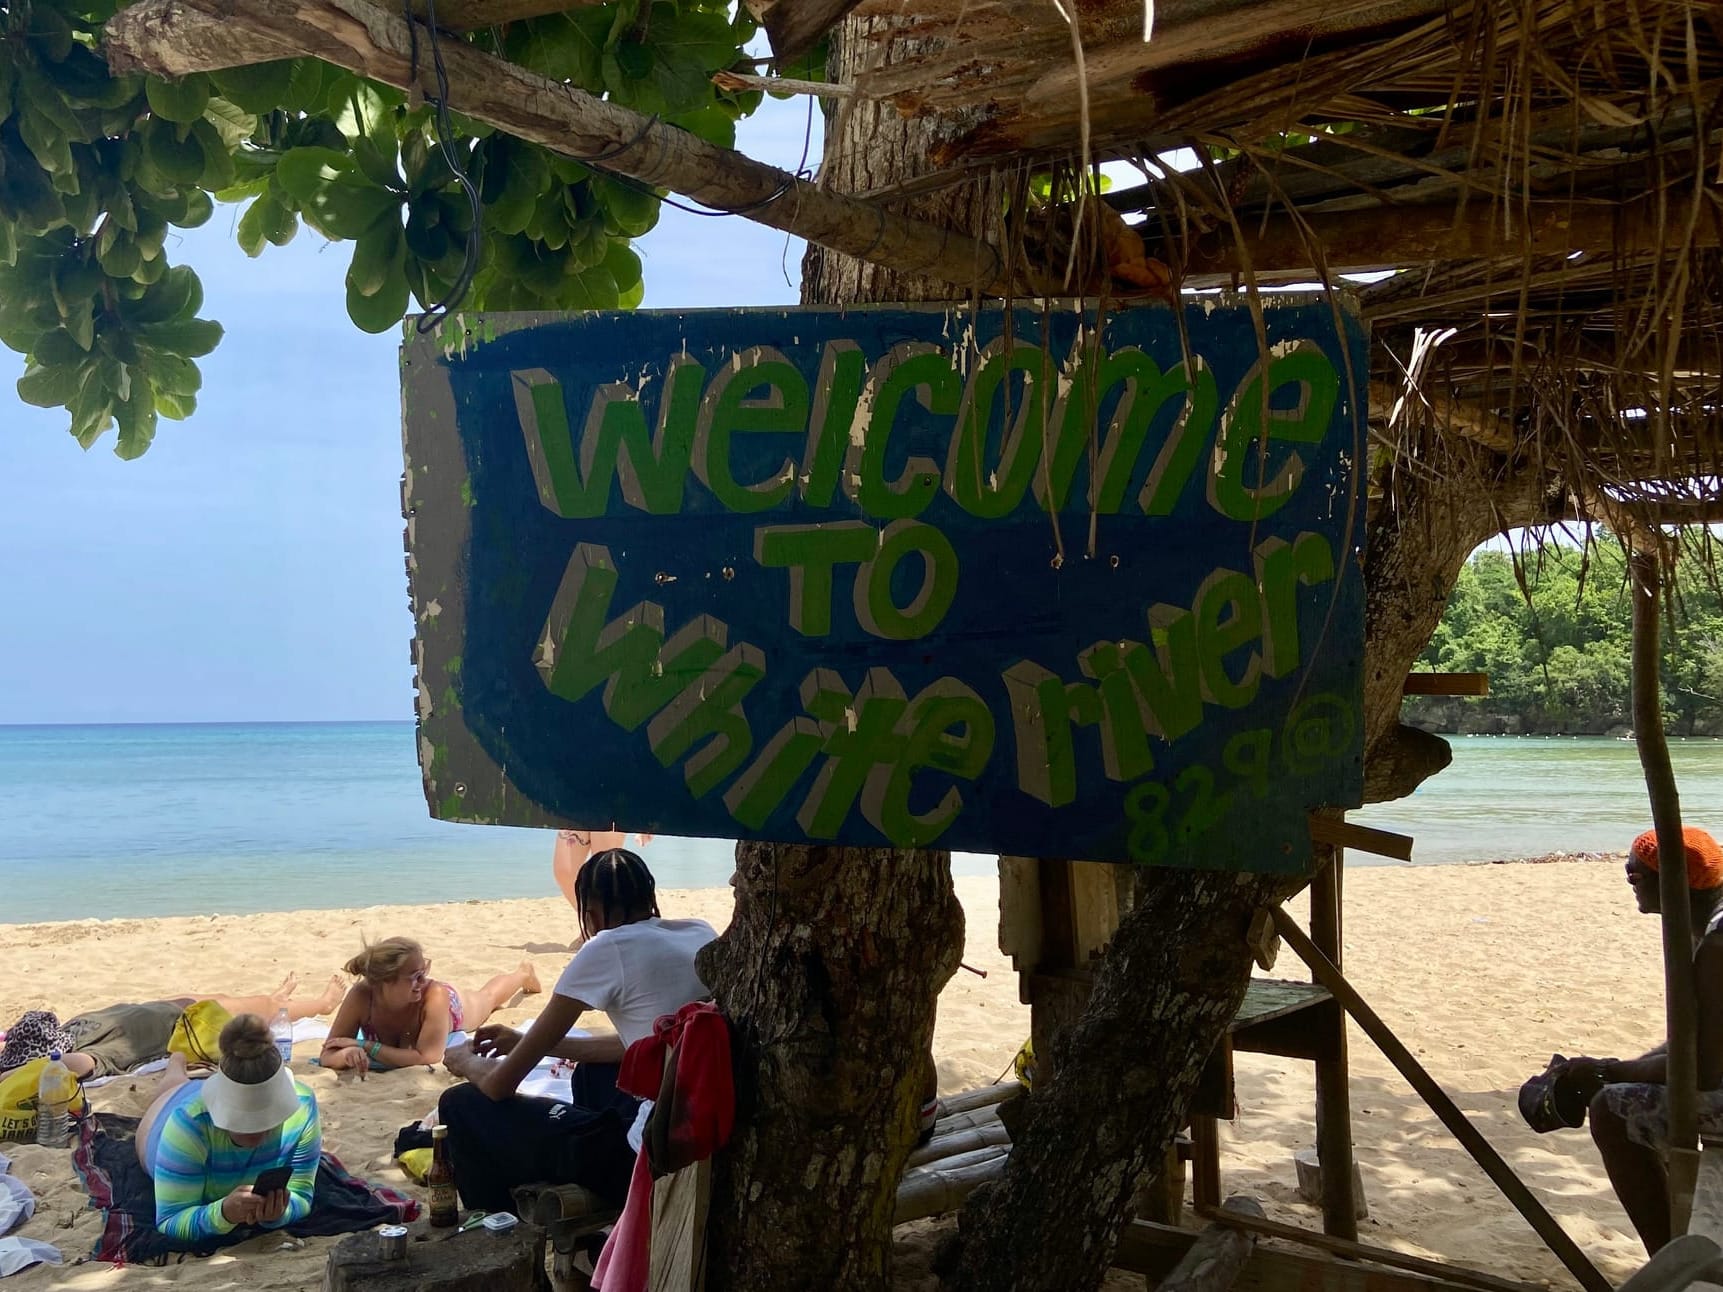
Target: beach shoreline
(1484, 971)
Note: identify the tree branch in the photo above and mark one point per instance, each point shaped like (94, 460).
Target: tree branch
(176, 37)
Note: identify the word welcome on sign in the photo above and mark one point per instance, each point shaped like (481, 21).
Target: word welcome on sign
(920, 577)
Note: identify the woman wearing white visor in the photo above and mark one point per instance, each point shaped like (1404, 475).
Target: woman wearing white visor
(238, 1148)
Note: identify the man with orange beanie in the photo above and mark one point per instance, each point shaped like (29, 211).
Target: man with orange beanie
(1630, 1114)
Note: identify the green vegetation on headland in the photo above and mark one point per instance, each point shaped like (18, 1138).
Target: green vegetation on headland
(1558, 658)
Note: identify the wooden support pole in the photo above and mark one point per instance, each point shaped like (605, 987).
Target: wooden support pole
(1471, 1139)
(1680, 1004)
(1333, 1080)
(1218, 1256)
(1447, 684)
(1205, 1161)
(176, 37)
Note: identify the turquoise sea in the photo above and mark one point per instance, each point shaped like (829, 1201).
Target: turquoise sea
(165, 820)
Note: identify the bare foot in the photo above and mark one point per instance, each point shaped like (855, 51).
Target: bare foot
(330, 1000)
(532, 986)
(289, 985)
(175, 1072)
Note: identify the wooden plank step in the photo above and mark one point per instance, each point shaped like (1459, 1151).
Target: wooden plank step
(1447, 684)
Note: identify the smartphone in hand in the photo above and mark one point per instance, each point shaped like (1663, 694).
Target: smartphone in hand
(272, 1180)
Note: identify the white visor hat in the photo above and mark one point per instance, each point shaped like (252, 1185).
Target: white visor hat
(234, 1106)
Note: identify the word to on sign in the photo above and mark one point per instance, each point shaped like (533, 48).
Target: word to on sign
(997, 582)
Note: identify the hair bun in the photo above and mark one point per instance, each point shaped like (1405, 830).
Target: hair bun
(246, 1038)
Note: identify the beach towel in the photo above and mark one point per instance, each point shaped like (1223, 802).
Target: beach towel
(17, 1203)
(107, 1164)
(19, 1254)
(685, 1065)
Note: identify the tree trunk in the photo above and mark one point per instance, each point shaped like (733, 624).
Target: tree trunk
(1178, 966)
(833, 963)
(830, 970)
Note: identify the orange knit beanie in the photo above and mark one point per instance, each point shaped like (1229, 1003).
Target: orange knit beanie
(1704, 857)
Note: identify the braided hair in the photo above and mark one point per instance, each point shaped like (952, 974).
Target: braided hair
(618, 884)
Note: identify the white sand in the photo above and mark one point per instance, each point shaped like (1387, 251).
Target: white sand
(1483, 972)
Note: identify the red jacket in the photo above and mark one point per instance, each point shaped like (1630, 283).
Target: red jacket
(685, 1066)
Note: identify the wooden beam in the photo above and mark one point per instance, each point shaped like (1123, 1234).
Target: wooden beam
(1422, 683)
(941, 1187)
(1333, 1076)
(796, 26)
(982, 1097)
(1239, 33)
(781, 85)
(1154, 1250)
(1386, 236)
(1205, 1161)
(176, 37)
(1447, 1111)
(1467, 419)
(1218, 1256)
(1360, 838)
(1356, 1251)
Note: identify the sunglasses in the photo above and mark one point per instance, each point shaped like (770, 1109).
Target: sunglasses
(421, 976)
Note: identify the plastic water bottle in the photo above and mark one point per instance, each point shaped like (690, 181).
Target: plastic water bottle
(282, 1030)
(56, 1091)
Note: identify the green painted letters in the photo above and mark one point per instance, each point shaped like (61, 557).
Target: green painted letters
(709, 709)
(949, 729)
(992, 493)
(1242, 485)
(810, 552)
(875, 609)
(1281, 569)
(1228, 618)
(640, 671)
(614, 443)
(917, 367)
(734, 405)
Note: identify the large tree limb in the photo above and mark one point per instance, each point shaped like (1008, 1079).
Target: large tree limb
(176, 37)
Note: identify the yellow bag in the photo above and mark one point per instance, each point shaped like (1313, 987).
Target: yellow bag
(1024, 1065)
(416, 1162)
(197, 1032)
(18, 1100)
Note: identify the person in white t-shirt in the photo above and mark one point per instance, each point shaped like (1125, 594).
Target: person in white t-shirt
(634, 965)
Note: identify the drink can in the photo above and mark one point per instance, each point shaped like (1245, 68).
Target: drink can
(392, 1242)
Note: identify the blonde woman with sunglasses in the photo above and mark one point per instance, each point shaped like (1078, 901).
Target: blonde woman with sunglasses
(398, 1016)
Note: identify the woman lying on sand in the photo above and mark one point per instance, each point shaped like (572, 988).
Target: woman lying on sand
(106, 1042)
(397, 1015)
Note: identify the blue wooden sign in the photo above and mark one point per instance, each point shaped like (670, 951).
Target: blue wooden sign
(996, 582)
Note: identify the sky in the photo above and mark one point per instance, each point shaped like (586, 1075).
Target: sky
(249, 567)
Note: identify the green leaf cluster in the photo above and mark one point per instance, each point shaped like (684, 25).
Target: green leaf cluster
(95, 169)
(1559, 648)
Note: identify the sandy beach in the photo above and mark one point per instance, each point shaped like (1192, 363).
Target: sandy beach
(1484, 971)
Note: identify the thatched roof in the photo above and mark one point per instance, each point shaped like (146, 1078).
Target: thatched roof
(1544, 177)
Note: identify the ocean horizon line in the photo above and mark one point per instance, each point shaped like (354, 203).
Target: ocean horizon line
(209, 722)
